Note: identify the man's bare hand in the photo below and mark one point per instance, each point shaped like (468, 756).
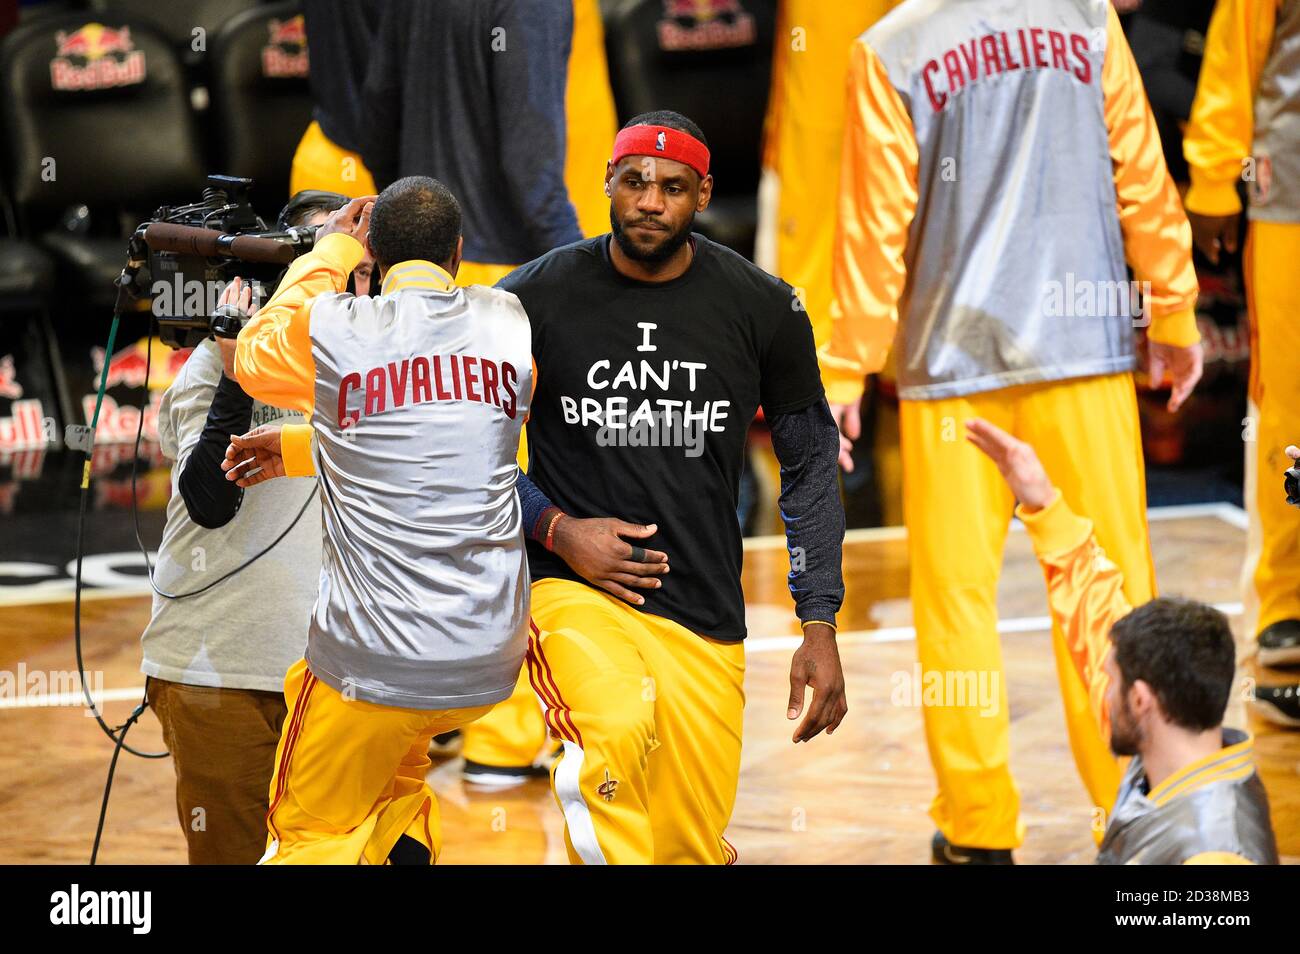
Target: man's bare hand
(1017, 462)
(595, 550)
(255, 457)
(353, 219)
(1181, 366)
(816, 663)
(1293, 452)
(849, 420)
(236, 293)
(1213, 233)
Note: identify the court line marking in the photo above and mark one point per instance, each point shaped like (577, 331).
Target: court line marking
(44, 701)
(56, 592)
(755, 644)
(903, 634)
(1230, 514)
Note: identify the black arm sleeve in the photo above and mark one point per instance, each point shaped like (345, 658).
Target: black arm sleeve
(535, 504)
(211, 500)
(807, 444)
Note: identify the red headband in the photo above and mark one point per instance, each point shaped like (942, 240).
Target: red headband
(665, 142)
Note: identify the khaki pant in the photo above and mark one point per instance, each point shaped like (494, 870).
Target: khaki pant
(222, 743)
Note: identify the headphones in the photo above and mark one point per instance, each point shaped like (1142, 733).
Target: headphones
(309, 199)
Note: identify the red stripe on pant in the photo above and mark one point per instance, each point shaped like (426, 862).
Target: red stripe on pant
(291, 740)
(545, 675)
(550, 713)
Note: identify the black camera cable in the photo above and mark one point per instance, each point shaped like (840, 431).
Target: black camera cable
(118, 734)
(135, 507)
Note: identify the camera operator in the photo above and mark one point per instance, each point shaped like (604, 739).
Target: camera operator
(216, 670)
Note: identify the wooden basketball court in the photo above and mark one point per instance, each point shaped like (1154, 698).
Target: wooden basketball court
(859, 797)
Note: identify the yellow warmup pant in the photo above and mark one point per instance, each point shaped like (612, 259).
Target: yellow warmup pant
(1272, 250)
(512, 735)
(349, 776)
(650, 716)
(958, 509)
(320, 163)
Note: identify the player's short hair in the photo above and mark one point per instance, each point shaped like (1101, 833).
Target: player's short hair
(1185, 652)
(415, 218)
(671, 119)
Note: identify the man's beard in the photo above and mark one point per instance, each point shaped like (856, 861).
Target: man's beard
(1125, 734)
(661, 252)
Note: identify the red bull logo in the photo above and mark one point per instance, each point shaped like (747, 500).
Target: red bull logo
(128, 366)
(96, 57)
(118, 422)
(285, 53)
(705, 25)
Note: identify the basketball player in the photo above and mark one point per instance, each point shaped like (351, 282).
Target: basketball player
(655, 348)
(421, 621)
(1000, 165)
(1245, 124)
(1158, 679)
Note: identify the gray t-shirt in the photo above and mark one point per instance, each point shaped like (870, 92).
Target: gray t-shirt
(245, 632)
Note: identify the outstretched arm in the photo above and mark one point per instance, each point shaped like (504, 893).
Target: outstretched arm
(1084, 589)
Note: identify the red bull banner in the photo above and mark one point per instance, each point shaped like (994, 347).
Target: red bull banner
(27, 427)
(705, 25)
(118, 421)
(285, 53)
(96, 57)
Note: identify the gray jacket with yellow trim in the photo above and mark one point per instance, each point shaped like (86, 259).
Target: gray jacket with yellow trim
(1215, 807)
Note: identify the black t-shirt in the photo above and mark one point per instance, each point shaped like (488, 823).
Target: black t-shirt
(645, 392)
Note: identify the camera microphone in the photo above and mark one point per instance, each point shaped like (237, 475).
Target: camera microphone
(209, 243)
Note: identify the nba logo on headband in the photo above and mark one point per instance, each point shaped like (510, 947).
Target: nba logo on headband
(661, 141)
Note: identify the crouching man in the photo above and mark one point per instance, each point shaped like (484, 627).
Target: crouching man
(1158, 678)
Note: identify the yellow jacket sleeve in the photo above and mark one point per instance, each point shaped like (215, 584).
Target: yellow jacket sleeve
(1157, 238)
(1084, 590)
(1221, 129)
(295, 448)
(273, 360)
(878, 195)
